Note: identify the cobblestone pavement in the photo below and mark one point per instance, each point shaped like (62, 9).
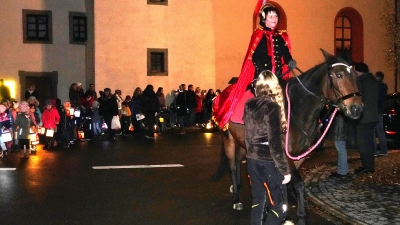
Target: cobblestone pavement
(353, 202)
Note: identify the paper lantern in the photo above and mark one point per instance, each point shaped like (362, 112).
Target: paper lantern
(81, 134)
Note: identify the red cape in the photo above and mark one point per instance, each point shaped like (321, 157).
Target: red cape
(226, 102)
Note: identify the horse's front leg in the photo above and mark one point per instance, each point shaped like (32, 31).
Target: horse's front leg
(241, 152)
(299, 187)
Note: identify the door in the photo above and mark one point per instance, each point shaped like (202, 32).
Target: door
(45, 84)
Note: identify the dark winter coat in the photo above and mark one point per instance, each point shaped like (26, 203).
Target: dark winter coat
(74, 98)
(382, 92)
(263, 136)
(368, 87)
(337, 131)
(181, 106)
(134, 105)
(149, 102)
(191, 99)
(108, 107)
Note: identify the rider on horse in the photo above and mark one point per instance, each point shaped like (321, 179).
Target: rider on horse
(269, 49)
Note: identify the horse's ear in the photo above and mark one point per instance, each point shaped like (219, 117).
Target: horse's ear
(329, 59)
(326, 54)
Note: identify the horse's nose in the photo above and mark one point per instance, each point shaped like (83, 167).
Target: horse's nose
(355, 111)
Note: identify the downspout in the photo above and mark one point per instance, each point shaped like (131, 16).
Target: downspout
(396, 70)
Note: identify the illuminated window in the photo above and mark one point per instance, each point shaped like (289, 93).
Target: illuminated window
(37, 25)
(343, 37)
(157, 2)
(77, 28)
(157, 62)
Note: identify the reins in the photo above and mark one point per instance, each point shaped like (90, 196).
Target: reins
(322, 100)
(287, 133)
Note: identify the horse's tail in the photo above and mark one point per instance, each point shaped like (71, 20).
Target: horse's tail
(223, 165)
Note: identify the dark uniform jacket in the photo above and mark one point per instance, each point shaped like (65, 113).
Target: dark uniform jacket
(263, 136)
(262, 58)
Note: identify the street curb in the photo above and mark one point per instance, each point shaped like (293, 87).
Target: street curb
(313, 177)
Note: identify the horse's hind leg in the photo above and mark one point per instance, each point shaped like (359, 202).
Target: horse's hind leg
(234, 169)
(298, 185)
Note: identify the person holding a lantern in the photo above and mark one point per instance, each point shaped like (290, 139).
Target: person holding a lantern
(50, 119)
(22, 126)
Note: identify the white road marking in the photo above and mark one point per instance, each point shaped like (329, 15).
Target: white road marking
(8, 168)
(136, 166)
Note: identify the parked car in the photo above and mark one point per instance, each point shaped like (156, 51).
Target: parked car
(391, 120)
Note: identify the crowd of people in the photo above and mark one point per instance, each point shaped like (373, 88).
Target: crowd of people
(89, 114)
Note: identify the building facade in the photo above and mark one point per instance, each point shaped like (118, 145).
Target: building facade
(166, 43)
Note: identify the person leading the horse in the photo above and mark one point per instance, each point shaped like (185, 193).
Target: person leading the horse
(269, 49)
(267, 165)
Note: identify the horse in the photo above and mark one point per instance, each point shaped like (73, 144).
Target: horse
(332, 83)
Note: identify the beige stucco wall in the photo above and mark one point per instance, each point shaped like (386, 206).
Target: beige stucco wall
(124, 31)
(68, 60)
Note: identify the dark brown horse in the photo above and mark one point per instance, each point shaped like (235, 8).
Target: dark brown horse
(330, 83)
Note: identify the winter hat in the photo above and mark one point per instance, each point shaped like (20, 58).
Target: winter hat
(33, 100)
(362, 67)
(48, 102)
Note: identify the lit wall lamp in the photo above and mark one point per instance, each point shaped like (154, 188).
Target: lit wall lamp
(11, 85)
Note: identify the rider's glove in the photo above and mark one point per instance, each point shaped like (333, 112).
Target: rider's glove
(292, 64)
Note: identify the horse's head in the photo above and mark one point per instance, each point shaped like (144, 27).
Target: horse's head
(341, 87)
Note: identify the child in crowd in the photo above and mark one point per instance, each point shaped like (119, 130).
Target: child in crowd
(14, 111)
(32, 100)
(6, 126)
(268, 168)
(96, 120)
(125, 118)
(86, 121)
(22, 125)
(67, 116)
(50, 119)
(34, 115)
(3, 117)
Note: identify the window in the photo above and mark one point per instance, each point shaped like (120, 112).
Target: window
(37, 26)
(157, 62)
(343, 37)
(77, 28)
(157, 2)
(349, 34)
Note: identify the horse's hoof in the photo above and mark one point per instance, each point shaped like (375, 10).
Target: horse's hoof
(231, 189)
(238, 206)
(301, 221)
(288, 222)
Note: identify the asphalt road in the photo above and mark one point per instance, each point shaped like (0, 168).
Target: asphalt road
(78, 186)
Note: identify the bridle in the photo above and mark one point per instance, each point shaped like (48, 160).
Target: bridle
(336, 91)
(323, 102)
